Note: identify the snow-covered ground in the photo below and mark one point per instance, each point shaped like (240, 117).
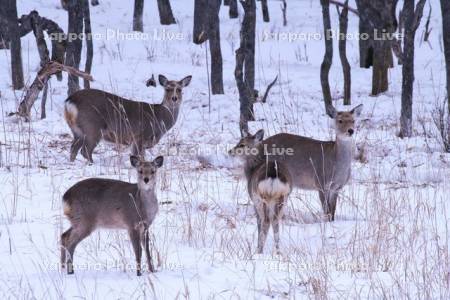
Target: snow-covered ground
(390, 239)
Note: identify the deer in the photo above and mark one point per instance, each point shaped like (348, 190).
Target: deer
(94, 114)
(322, 166)
(269, 184)
(112, 204)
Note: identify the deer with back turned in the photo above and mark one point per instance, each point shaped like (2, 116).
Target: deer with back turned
(323, 166)
(104, 203)
(269, 184)
(93, 115)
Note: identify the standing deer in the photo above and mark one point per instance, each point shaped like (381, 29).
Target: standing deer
(105, 203)
(269, 185)
(94, 114)
(324, 166)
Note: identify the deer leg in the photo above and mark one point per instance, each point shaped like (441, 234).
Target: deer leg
(91, 143)
(277, 213)
(135, 241)
(324, 202)
(265, 224)
(64, 238)
(326, 198)
(332, 203)
(77, 143)
(72, 240)
(147, 251)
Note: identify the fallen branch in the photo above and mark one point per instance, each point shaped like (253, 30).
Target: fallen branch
(52, 67)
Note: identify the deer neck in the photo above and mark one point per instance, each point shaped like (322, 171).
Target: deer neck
(170, 110)
(343, 153)
(149, 203)
(254, 161)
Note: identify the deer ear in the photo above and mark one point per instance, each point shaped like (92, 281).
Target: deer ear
(331, 111)
(162, 80)
(357, 110)
(134, 161)
(259, 135)
(185, 81)
(158, 162)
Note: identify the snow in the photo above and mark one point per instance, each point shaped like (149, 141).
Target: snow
(390, 237)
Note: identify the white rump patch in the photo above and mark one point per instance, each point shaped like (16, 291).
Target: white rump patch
(71, 115)
(71, 109)
(273, 188)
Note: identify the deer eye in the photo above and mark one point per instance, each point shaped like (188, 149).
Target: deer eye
(178, 90)
(340, 121)
(140, 172)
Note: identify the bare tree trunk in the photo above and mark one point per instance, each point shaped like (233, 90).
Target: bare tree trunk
(343, 25)
(89, 43)
(138, 24)
(284, 10)
(36, 23)
(207, 27)
(74, 44)
(377, 17)
(245, 65)
(200, 31)
(165, 12)
(445, 7)
(9, 14)
(233, 12)
(58, 37)
(265, 11)
(214, 46)
(412, 21)
(226, 2)
(4, 39)
(328, 57)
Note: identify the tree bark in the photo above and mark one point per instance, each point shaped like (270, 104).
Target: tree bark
(165, 12)
(245, 65)
(328, 57)
(200, 31)
(89, 43)
(346, 69)
(56, 34)
(214, 46)
(4, 39)
(138, 24)
(233, 12)
(8, 13)
(35, 21)
(284, 11)
(265, 11)
(445, 7)
(412, 21)
(74, 43)
(207, 27)
(377, 17)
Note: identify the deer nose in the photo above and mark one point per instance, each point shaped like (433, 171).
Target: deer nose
(146, 180)
(350, 131)
(174, 98)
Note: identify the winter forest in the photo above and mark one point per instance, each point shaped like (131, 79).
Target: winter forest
(235, 149)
